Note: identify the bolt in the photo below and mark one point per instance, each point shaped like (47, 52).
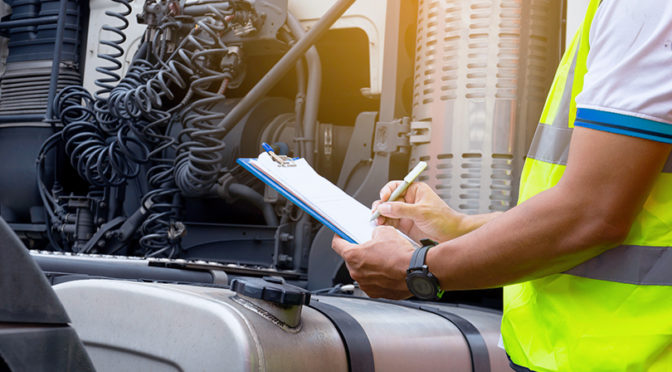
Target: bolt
(285, 259)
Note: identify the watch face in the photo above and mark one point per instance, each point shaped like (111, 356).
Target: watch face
(422, 287)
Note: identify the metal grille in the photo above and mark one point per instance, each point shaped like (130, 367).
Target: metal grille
(482, 70)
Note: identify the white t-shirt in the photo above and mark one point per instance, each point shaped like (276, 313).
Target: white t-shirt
(628, 86)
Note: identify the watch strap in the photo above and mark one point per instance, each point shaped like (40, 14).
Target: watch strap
(418, 258)
(420, 254)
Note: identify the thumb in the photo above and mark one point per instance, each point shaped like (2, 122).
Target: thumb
(339, 245)
(400, 210)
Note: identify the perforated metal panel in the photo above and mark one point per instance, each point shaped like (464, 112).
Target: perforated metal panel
(481, 75)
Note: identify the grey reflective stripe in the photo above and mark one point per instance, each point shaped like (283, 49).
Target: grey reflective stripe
(551, 144)
(667, 168)
(630, 264)
(561, 118)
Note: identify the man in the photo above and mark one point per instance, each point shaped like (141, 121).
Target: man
(585, 256)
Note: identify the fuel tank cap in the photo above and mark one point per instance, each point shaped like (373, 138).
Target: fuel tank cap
(272, 289)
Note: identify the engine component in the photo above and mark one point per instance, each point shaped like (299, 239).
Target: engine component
(25, 86)
(36, 42)
(79, 223)
(30, 79)
(19, 197)
(64, 267)
(478, 96)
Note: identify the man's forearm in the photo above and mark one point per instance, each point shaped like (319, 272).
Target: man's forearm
(590, 210)
(547, 234)
(469, 223)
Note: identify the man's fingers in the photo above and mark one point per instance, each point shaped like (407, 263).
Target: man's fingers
(387, 190)
(374, 207)
(399, 210)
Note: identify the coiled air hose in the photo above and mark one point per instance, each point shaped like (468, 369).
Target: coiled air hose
(100, 159)
(108, 122)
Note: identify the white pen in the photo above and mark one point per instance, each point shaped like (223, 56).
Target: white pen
(410, 177)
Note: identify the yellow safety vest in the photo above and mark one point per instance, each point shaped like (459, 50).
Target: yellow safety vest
(613, 312)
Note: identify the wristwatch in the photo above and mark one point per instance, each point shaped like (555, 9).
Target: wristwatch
(422, 284)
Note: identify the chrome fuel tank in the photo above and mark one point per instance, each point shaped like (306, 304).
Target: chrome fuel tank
(130, 326)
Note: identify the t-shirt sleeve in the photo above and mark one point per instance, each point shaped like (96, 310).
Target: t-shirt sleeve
(628, 86)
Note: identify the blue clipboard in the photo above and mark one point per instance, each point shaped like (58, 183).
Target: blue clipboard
(245, 163)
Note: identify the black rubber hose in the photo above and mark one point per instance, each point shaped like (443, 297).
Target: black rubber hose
(109, 71)
(256, 199)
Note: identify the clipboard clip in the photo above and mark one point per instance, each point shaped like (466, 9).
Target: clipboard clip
(282, 160)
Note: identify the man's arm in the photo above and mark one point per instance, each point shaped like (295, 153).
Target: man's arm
(590, 210)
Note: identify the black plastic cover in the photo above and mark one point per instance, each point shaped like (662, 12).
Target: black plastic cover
(42, 348)
(34, 334)
(25, 294)
(271, 289)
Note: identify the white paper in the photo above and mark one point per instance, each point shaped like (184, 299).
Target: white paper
(327, 199)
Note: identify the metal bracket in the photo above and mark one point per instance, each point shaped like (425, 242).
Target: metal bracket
(271, 195)
(421, 132)
(392, 137)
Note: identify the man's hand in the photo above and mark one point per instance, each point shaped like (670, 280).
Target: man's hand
(379, 265)
(422, 214)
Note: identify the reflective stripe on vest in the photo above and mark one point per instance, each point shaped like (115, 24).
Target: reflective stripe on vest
(561, 118)
(629, 264)
(551, 145)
